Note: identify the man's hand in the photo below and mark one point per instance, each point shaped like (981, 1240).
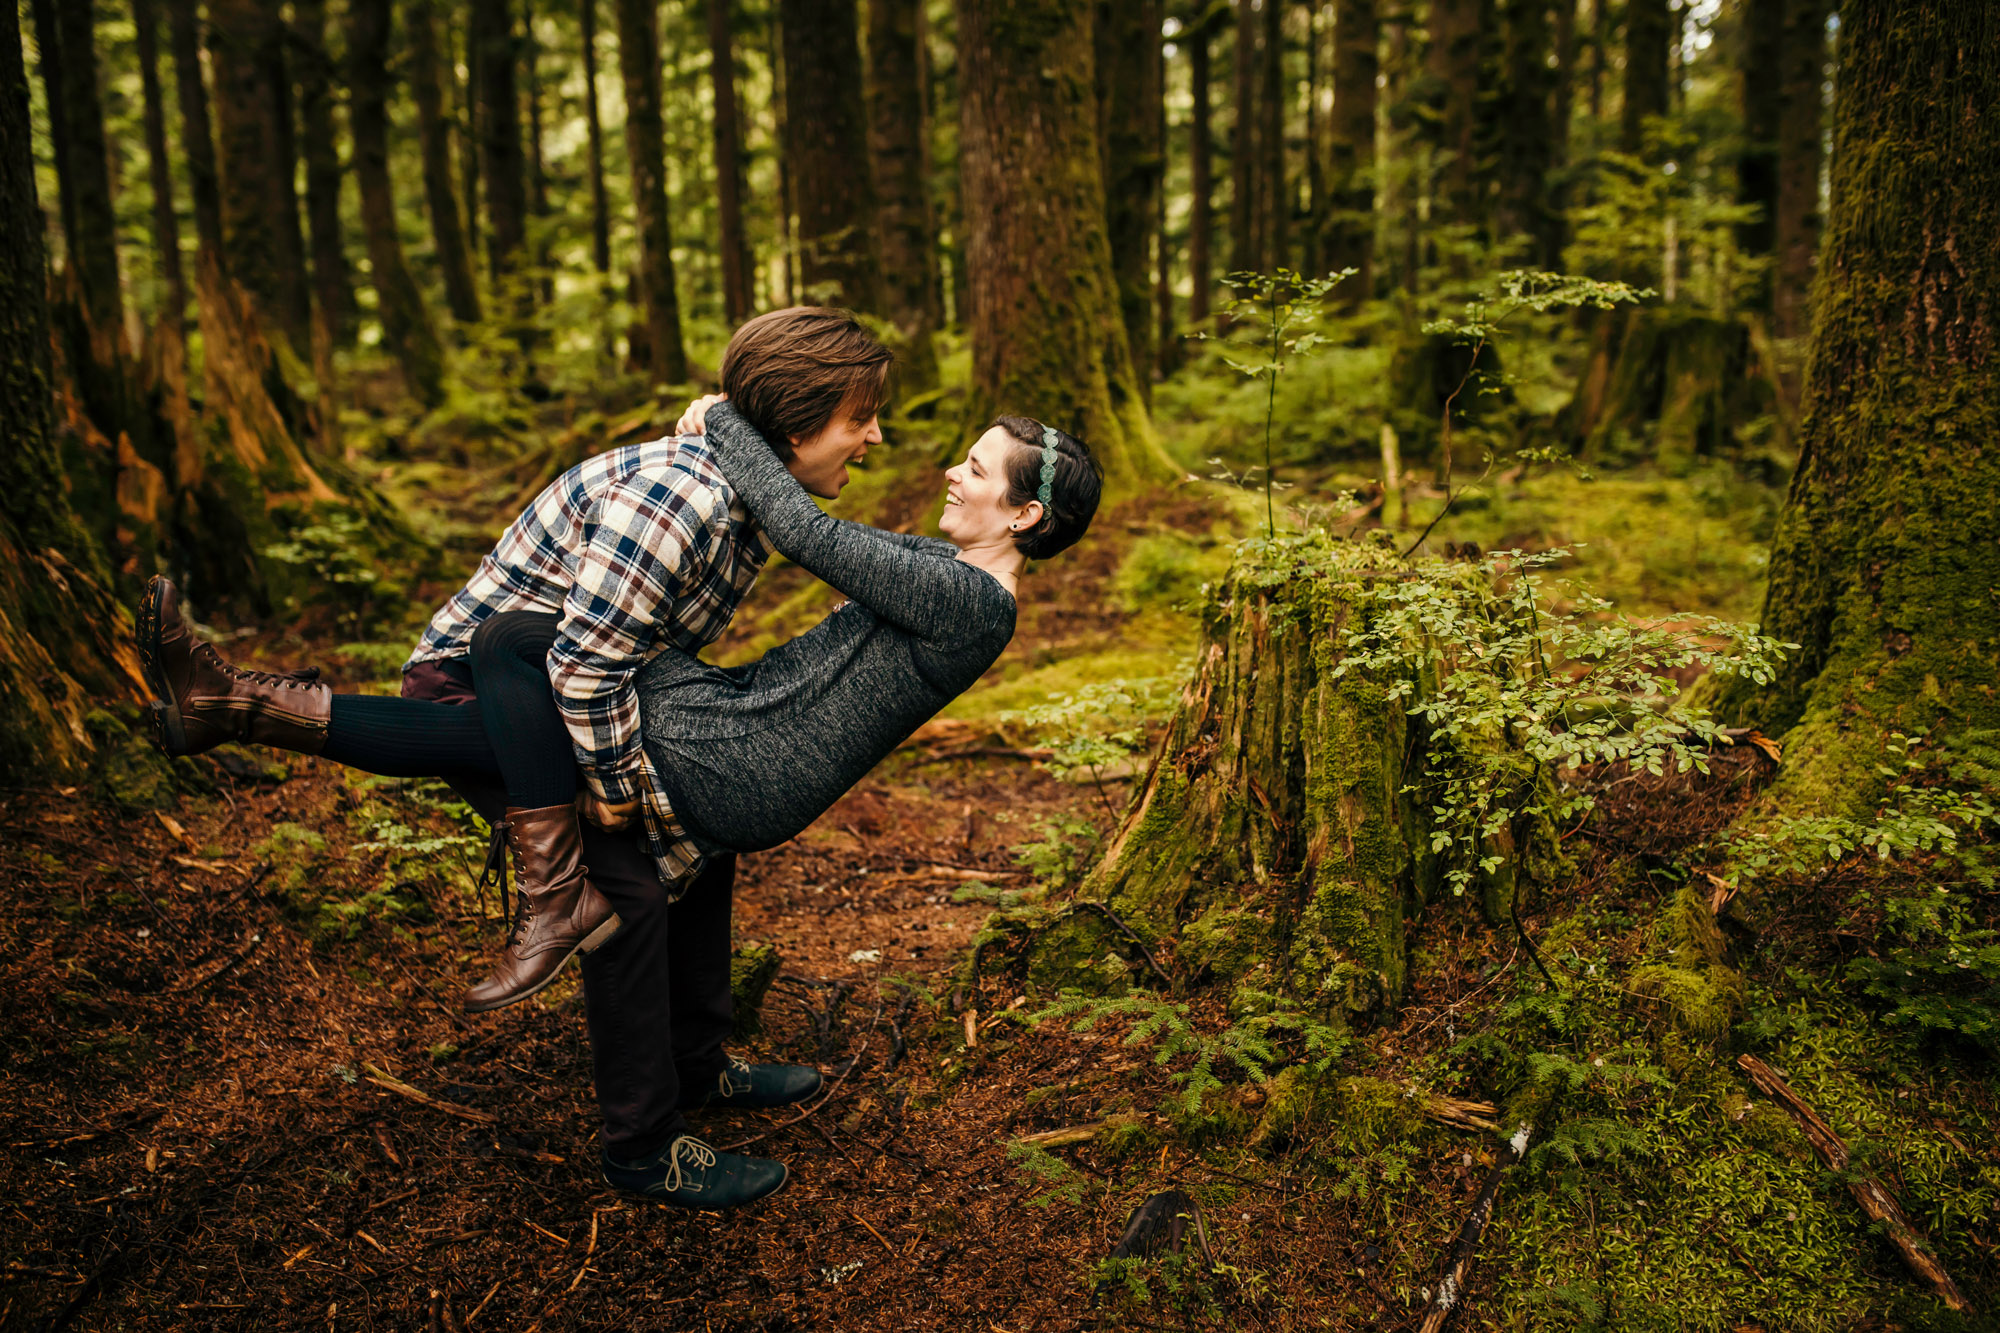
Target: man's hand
(691, 422)
(608, 815)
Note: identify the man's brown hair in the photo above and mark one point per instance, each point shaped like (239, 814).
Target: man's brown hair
(789, 372)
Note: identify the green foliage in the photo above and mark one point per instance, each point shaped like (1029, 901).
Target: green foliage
(1097, 726)
(1058, 858)
(1563, 683)
(1060, 1182)
(336, 554)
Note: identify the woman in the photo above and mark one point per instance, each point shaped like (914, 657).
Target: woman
(750, 756)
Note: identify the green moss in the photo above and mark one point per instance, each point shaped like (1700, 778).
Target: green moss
(1079, 952)
(752, 969)
(128, 769)
(1227, 941)
(1125, 1137)
(1345, 1115)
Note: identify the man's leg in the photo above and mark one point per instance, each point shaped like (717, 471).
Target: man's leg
(698, 953)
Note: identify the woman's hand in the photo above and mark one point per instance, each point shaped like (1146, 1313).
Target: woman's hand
(607, 815)
(691, 422)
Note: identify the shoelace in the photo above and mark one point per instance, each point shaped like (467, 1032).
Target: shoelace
(494, 875)
(300, 679)
(729, 1085)
(697, 1152)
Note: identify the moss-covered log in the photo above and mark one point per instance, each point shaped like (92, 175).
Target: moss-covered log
(1281, 837)
(1884, 567)
(1666, 384)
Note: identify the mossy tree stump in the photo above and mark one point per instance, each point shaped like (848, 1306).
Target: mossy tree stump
(1282, 837)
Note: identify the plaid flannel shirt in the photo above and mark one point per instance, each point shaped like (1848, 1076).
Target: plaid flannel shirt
(639, 549)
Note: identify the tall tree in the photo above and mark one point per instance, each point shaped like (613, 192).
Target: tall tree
(48, 57)
(639, 59)
(1046, 329)
(1796, 230)
(1350, 238)
(600, 214)
(469, 149)
(1275, 194)
(1198, 41)
(490, 34)
(1128, 41)
(1523, 130)
(1561, 105)
(1243, 243)
(1454, 65)
(243, 39)
(406, 323)
(899, 149)
(333, 285)
(828, 138)
(1761, 44)
(92, 232)
(427, 89)
(729, 158)
(1884, 564)
(197, 135)
(166, 227)
(1648, 33)
(65, 644)
(538, 184)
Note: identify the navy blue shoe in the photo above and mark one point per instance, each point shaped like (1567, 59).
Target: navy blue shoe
(747, 1087)
(687, 1173)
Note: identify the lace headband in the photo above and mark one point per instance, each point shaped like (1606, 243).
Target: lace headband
(1048, 466)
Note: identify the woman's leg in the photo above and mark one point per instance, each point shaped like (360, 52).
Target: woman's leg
(409, 738)
(510, 677)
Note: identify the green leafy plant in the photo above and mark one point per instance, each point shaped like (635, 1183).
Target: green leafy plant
(1091, 729)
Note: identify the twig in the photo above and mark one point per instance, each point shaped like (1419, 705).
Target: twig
(1452, 1285)
(1091, 905)
(483, 1302)
(873, 1232)
(832, 1088)
(588, 1250)
(1868, 1190)
(256, 938)
(389, 1082)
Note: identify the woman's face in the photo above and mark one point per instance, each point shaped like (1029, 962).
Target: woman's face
(976, 511)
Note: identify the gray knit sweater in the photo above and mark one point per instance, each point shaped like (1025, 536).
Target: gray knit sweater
(751, 755)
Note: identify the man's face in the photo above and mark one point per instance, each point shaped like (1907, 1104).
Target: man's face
(820, 461)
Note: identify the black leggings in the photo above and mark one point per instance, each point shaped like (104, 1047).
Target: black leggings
(515, 736)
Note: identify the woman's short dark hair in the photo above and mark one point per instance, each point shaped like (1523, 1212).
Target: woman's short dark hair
(788, 371)
(1073, 492)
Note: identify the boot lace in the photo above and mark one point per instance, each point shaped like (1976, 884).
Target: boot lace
(734, 1078)
(696, 1152)
(302, 678)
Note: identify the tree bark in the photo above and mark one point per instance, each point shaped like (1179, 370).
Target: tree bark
(736, 267)
(48, 57)
(333, 284)
(1648, 31)
(197, 135)
(639, 59)
(600, 215)
(490, 33)
(427, 88)
(166, 227)
(93, 232)
(467, 96)
(1795, 232)
(827, 129)
(1129, 39)
(899, 148)
(1275, 198)
(1244, 246)
(1350, 238)
(1047, 337)
(242, 35)
(1562, 104)
(538, 186)
(296, 280)
(1523, 129)
(406, 323)
(1762, 39)
(1884, 564)
(1199, 43)
(65, 644)
(1457, 28)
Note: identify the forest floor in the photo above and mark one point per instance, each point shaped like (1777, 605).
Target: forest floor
(237, 1090)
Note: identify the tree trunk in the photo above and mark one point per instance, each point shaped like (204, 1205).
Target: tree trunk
(197, 137)
(1762, 44)
(93, 232)
(427, 88)
(406, 324)
(467, 96)
(1561, 104)
(1522, 126)
(1648, 31)
(639, 59)
(284, 148)
(1884, 564)
(788, 204)
(1129, 39)
(1795, 232)
(600, 215)
(1457, 29)
(166, 227)
(538, 187)
(1350, 238)
(490, 34)
(736, 267)
(1201, 174)
(1166, 345)
(899, 148)
(243, 42)
(1047, 336)
(1244, 247)
(65, 643)
(333, 284)
(1275, 197)
(828, 134)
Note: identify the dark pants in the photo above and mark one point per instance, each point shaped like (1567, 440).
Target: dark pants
(656, 996)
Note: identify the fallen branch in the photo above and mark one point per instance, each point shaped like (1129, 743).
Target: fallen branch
(1056, 1138)
(1461, 1114)
(1451, 1286)
(1873, 1196)
(390, 1083)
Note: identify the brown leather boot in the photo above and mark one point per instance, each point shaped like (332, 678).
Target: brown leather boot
(204, 701)
(560, 911)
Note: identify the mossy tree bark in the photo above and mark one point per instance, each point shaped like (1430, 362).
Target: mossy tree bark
(899, 150)
(427, 90)
(1047, 336)
(1456, 68)
(166, 226)
(1243, 248)
(65, 644)
(827, 130)
(490, 35)
(639, 60)
(600, 214)
(406, 322)
(1760, 46)
(1349, 238)
(1796, 225)
(1199, 42)
(1274, 196)
(93, 236)
(728, 139)
(1884, 565)
(260, 218)
(1648, 34)
(1128, 39)
(332, 280)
